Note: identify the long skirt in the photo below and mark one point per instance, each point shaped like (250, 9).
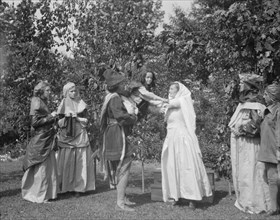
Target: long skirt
(76, 169)
(183, 171)
(252, 192)
(39, 182)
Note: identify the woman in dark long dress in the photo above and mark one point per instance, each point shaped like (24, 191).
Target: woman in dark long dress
(39, 180)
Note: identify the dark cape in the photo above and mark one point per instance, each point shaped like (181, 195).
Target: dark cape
(43, 137)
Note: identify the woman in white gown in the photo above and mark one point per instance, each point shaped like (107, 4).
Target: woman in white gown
(252, 193)
(183, 171)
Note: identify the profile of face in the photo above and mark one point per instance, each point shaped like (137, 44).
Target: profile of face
(267, 98)
(72, 93)
(47, 92)
(173, 90)
(241, 86)
(149, 78)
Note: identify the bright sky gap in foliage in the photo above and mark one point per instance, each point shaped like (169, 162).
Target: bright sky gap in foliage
(167, 5)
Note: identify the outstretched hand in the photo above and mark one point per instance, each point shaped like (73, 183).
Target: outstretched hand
(54, 113)
(163, 109)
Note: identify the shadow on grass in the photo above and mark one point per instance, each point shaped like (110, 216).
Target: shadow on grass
(140, 199)
(10, 192)
(218, 196)
(145, 198)
(101, 187)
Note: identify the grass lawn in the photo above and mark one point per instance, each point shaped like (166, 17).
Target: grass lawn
(100, 204)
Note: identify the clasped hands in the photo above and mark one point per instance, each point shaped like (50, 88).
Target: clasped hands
(71, 114)
(74, 115)
(164, 106)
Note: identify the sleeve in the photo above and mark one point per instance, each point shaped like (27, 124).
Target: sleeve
(120, 113)
(83, 114)
(82, 118)
(146, 95)
(174, 103)
(41, 120)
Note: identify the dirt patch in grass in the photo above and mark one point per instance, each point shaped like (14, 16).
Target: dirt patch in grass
(100, 204)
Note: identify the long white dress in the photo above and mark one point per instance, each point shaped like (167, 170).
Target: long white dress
(183, 171)
(252, 193)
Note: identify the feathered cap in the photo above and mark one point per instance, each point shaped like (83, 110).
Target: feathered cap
(113, 78)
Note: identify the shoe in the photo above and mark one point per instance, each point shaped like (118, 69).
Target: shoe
(175, 203)
(170, 201)
(127, 202)
(192, 205)
(179, 202)
(124, 208)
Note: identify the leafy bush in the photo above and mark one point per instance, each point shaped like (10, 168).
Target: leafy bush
(149, 135)
(223, 165)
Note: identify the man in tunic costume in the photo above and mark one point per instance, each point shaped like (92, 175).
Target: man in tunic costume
(116, 125)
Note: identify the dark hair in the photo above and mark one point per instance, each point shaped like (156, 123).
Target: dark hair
(143, 79)
(39, 88)
(113, 88)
